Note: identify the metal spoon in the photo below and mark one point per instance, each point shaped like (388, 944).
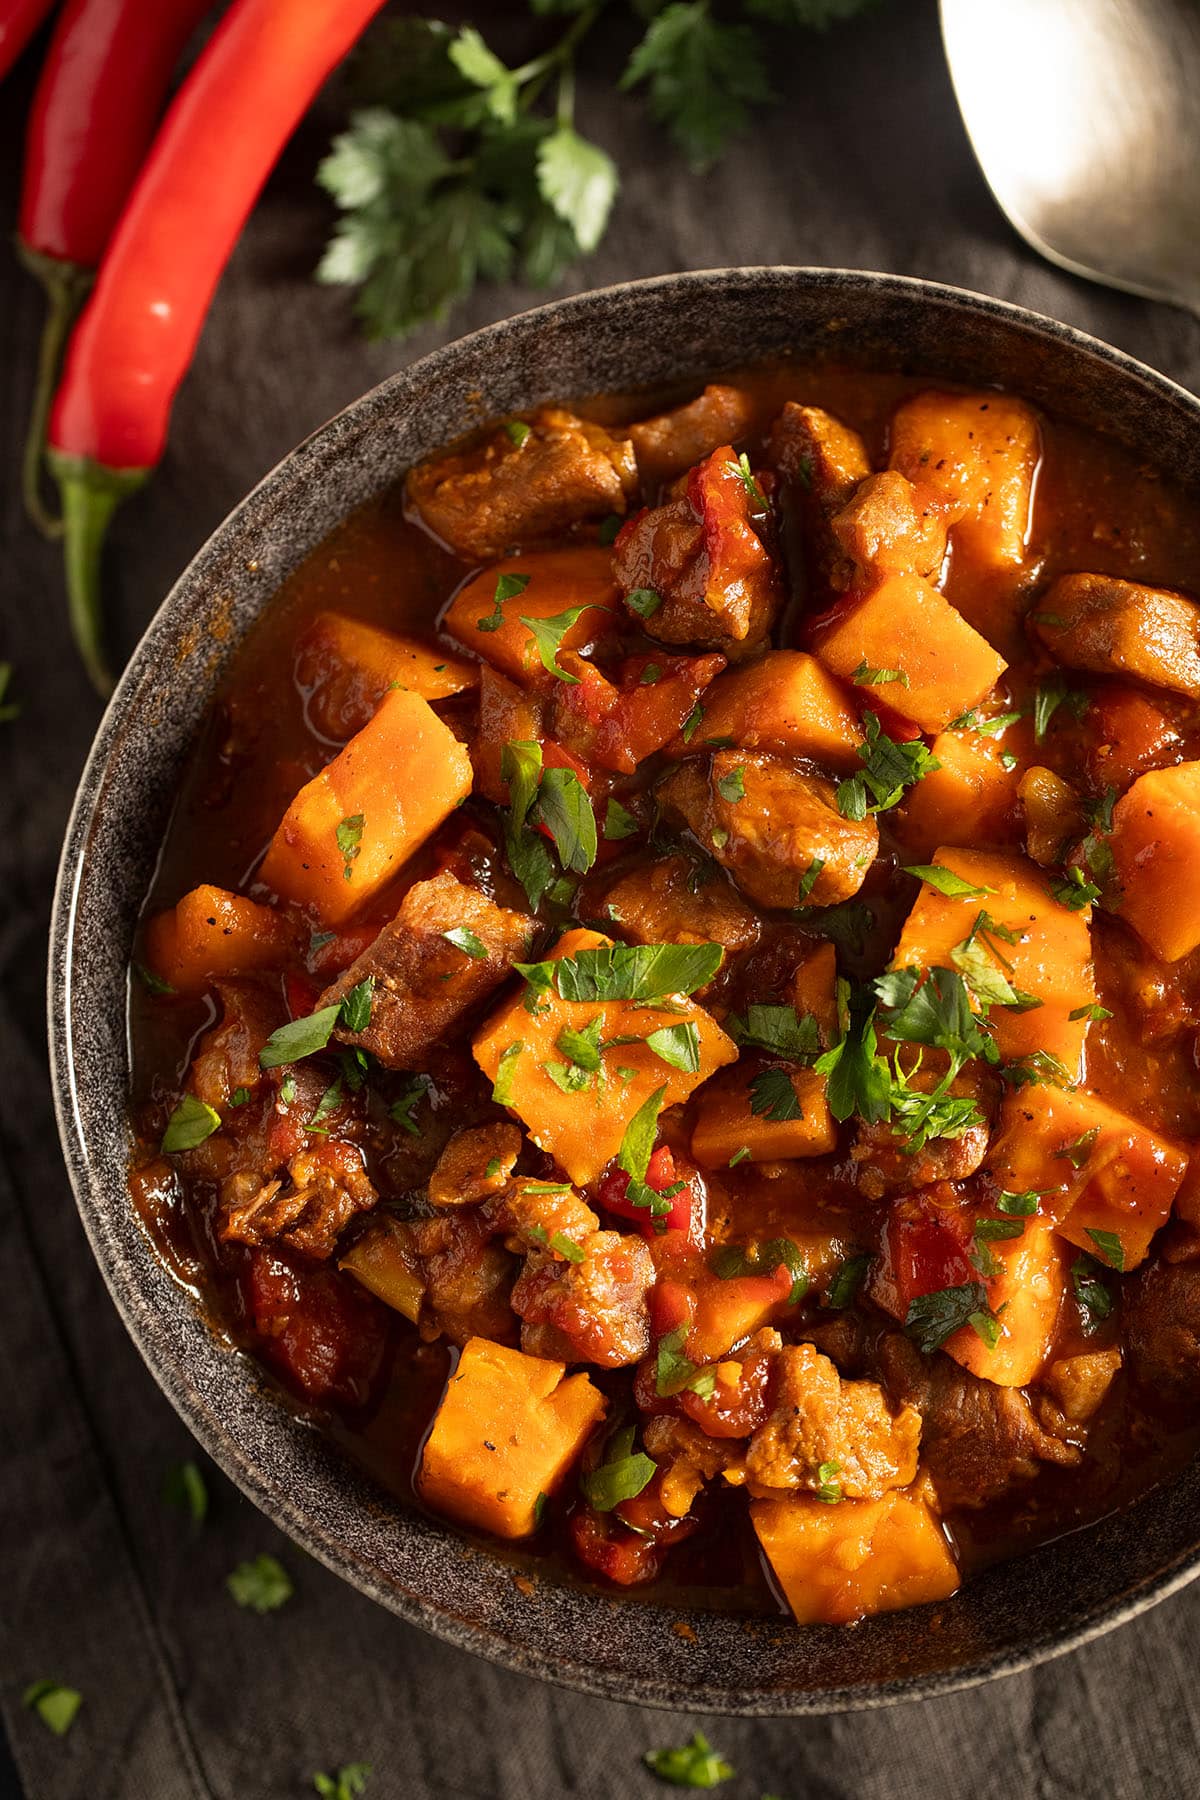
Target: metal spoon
(1085, 117)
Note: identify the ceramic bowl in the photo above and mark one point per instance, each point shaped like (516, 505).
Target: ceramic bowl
(647, 334)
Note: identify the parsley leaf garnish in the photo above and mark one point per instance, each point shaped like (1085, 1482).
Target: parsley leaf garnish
(1110, 1247)
(677, 1045)
(507, 588)
(627, 971)
(618, 823)
(843, 1289)
(349, 1782)
(694, 1765)
(1092, 1294)
(945, 881)
(1054, 691)
(548, 635)
(866, 676)
(780, 1029)
(933, 1318)
(189, 1125)
(185, 1488)
(349, 842)
(890, 768)
(582, 1047)
(564, 808)
(263, 1585)
(506, 1073)
(772, 1096)
(621, 1476)
(645, 602)
(305, 1036)
(401, 1109)
(1074, 891)
(674, 1372)
(466, 940)
(54, 1704)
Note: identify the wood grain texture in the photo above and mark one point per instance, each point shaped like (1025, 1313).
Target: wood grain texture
(864, 164)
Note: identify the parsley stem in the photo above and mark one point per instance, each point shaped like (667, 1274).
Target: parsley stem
(564, 111)
(564, 50)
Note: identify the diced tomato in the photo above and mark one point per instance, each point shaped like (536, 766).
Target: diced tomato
(718, 493)
(1128, 733)
(922, 1251)
(661, 1174)
(613, 1551)
(555, 756)
(301, 993)
(322, 1333)
(656, 695)
(734, 1410)
(671, 1305)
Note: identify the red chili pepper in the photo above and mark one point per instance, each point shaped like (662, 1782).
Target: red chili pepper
(19, 19)
(131, 349)
(97, 103)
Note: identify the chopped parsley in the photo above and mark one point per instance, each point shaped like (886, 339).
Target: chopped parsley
(644, 602)
(582, 1047)
(889, 769)
(185, 1488)
(349, 842)
(866, 676)
(945, 881)
(518, 431)
(674, 1372)
(263, 1585)
(627, 971)
(732, 787)
(934, 1318)
(401, 1109)
(1021, 1206)
(732, 1261)
(548, 635)
(507, 588)
(506, 1073)
(618, 823)
(1092, 1294)
(772, 1096)
(154, 984)
(1074, 891)
(305, 1036)
(828, 1487)
(54, 1704)
(1054, 691)
(779, 1029)
(694, 1765)
(566, 1247)
(621, 1476)
(349, 1782)
(1092, 1012)
(1110, 1247)
(690, 724)
(189, 1125)
(677, 1045)
(1079, 1150)
(468, 941)
(843, 1289)
(328, 1104)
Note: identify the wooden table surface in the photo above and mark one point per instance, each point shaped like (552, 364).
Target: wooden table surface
(864, 164)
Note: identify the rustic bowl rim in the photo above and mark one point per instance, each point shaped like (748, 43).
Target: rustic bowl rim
(99, 1202)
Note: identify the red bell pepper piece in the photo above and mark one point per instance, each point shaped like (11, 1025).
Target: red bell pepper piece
(131, 348)
(19, 19)
(922, 1251)
(98, 100)
(660, 1175)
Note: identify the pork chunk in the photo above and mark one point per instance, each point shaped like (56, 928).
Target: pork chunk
(672, 442)
(476, 1162)
(718, 585)
(687, 1457)
(890, 527)
(1112, 627)
(423, 982)
(590, 1310)
(468, 1275)
(325, 1188)
(667, 902)
(767, 822)
(823, 1430)
(498, 493)
(227, 1058)
(821, 462)
(1161, 1310)
(978, 1439)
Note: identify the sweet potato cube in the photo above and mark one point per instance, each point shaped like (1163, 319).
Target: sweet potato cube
(558, 581)
(352, 828)
(904, 624)
(844, 1562)
(348, 666)
(508, 1430)
(786, 703)
(1051, 959)
(211, 934)
(1098, 1169)
(1026, 1297)
(979, 453)
(582, 1128)
(1122, 628)
(767, 822)
(970, 798)
(727, 1126)
(728, 1312)
(813, 989)
(1156, 849)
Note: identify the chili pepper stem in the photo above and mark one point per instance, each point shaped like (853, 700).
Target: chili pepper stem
(91, 495)
(66, 286)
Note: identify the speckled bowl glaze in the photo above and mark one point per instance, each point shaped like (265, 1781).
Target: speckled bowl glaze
(645, 334)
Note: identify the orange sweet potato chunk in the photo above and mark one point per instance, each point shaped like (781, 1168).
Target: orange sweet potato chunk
(844, 1562)
(559, 580)
(582, 1130)
(1026, 1297)
(970, 798)
(389, 789)
(1097, 1169)
(786, 703)
(1051, 959)
(508, 1430)
(211, 934)
(904, 624)
(1156, 849)
(726, 1125)
(979, 454)
(349, 666)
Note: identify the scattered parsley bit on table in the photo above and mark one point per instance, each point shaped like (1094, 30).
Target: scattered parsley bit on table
(263, 1585)
(694, 1765)
(185, 1488)
(349, 1782)
(55, 1705)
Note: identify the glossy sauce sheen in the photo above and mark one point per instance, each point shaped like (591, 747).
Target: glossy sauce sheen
(1097, 508)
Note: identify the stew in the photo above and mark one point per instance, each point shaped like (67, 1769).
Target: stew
(669, 1011)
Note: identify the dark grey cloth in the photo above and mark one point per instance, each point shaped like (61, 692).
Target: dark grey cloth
(864, 164)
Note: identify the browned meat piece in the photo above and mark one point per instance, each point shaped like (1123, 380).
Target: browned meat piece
(497, 495)
(822, 462)
(687, 1457)
(1113, 627)
(227, 1057)
(671, 442)
(423, 982)
(1161, 1312)
(327, 1187)
(818, 1421)
(717, 584)
(885, 1167)
(978, 1439)
(890, 527)
(475, 1163)
(593, 1310)
(468, 1277)
(767, 822)
(660, 903)
(1080, 1383)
